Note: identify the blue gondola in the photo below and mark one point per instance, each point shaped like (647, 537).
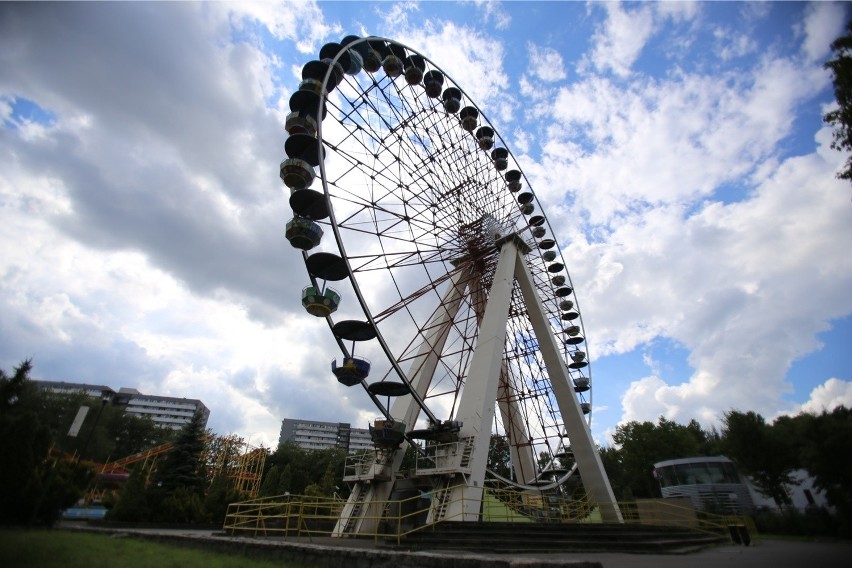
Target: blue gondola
(352, 371)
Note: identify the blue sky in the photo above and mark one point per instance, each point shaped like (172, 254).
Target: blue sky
(678, 149)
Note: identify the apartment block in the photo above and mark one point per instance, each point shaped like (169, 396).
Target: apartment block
(165, 411)
(317, 435)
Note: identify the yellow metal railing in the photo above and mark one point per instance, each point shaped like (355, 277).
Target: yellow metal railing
(308, 516)
(668, 513)
(283, 515)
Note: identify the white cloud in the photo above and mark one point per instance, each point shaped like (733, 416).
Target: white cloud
(142, 229)
(468, 56)
(823, 24)
(732, 44)
(754, 11)
(826, 397)
(642, 401)
(545, 63)
(521, 141)
(116, 320)
(492, 11)
(5, 109)
(629, 175)
(618, 44)
(678, 12)
(737, 298)
(302, 22)
(397, 14)
(622, 148)
(141, 328)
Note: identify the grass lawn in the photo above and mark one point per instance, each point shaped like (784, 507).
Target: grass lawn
(48, 549)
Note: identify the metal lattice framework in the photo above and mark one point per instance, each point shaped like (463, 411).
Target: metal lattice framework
(420, 195)
(230, 456)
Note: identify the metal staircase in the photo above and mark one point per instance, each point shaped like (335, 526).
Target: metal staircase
(351, 524)
(441, 500)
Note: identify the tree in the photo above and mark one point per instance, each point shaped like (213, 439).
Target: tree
(183, 465)
(611, 459)
(33, 487)
(499, 456)
(220, 494)
(300, 468)
(134, 434)
(16, 390)
(760, 452)
(24, 443)
(177, 491)
(841, 117)
(285, 481)
(269, 486)
(641, 445)
(828, 457)
(58, 484)
(183, 505)
(133, 500)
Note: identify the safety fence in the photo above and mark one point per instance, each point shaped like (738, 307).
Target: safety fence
(392, 520)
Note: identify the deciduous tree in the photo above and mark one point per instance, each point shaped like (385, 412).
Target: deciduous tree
(760, 452)
(640, 445)
(841, 117)
(499, 458)
(828, 456)
(33, 487)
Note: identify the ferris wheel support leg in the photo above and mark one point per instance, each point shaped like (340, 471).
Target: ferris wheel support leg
(435, 337)
(516, 431)
(476, 408)
(523, 462)
(362, 512)
(585, 452)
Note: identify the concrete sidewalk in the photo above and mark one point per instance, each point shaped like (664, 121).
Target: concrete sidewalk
(763, 554)
(356, 553)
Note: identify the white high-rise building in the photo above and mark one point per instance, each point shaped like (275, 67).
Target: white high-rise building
(317, 435)
(165, 411)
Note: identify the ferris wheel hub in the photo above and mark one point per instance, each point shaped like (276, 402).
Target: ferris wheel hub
(440, 244)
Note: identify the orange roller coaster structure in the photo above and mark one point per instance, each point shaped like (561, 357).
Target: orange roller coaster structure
(230, 456)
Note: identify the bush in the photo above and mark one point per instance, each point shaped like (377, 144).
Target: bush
(219, 496)
(183, 505)
(132, 503)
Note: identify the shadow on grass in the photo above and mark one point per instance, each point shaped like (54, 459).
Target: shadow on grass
(61, 549)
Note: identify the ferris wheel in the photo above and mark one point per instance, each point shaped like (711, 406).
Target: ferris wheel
(432, 261)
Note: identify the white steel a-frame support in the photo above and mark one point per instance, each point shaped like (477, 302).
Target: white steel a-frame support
(586, 453)
(363, 510)
(476, 407)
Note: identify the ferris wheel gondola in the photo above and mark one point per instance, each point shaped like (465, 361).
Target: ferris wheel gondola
(427, 225)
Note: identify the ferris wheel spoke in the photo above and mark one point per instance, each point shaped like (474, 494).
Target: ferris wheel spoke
(422, 201)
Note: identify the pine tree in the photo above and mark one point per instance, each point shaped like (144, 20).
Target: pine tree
(183, 466)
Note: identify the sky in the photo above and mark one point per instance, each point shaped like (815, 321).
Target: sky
(678, 150)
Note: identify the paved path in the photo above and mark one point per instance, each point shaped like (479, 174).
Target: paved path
(764, 554)
(363, 553)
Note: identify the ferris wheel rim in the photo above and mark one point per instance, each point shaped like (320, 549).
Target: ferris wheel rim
(391, 355)
(554, 484)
